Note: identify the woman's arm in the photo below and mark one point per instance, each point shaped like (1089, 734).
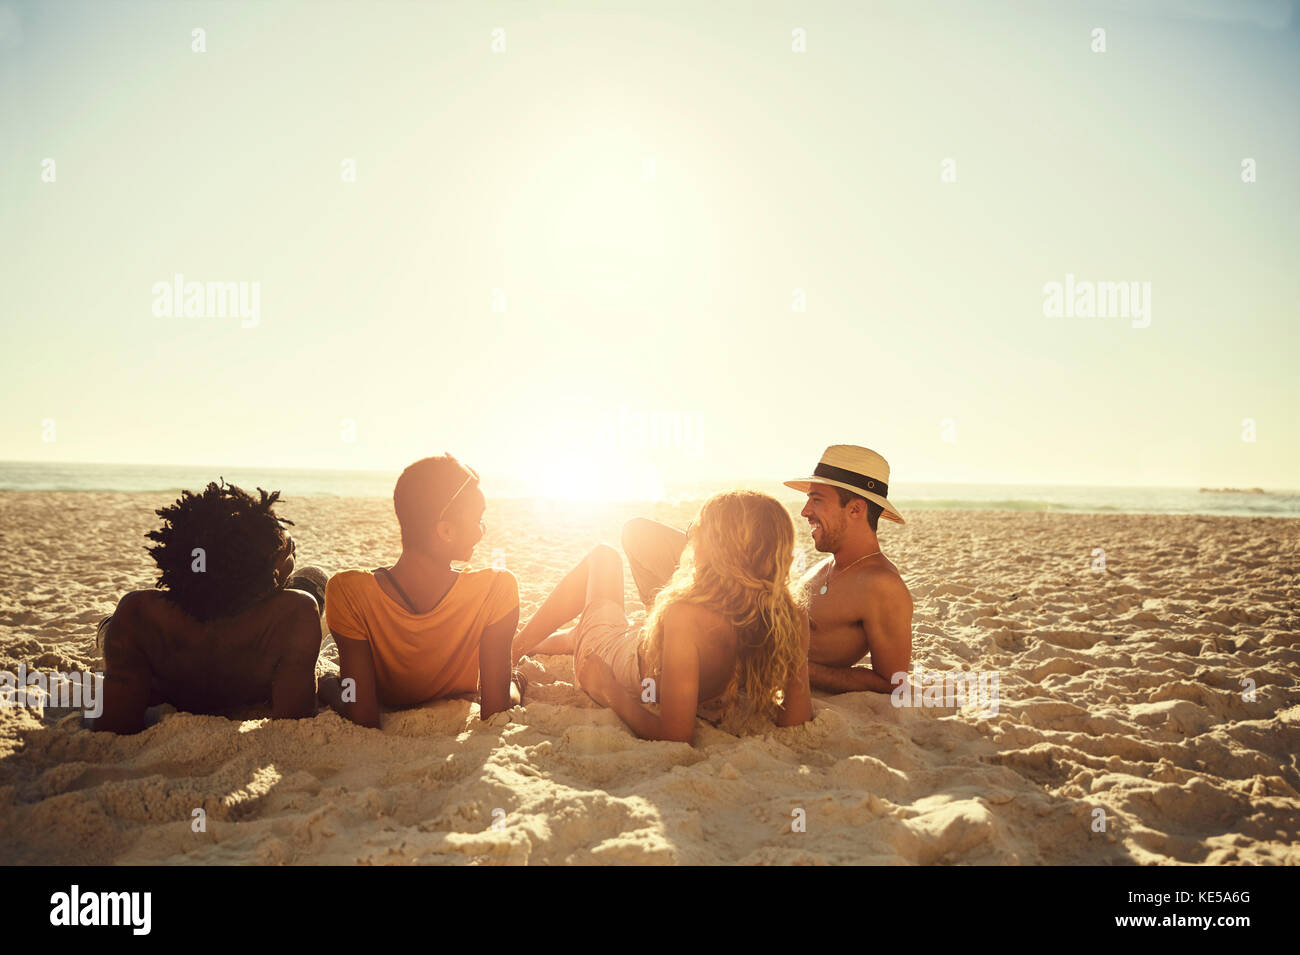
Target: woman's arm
(494, 665)
(602, 686)
(678, 690)
(796, 702)
(359, 699)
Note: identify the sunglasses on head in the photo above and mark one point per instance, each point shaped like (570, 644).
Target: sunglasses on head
(471, 477)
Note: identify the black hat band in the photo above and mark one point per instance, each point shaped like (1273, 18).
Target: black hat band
(853, 478)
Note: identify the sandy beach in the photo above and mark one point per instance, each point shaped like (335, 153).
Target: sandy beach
(1120, 698)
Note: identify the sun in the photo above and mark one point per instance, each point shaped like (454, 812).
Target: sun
(581, 477)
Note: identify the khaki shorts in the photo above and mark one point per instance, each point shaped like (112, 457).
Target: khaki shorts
(603, 630)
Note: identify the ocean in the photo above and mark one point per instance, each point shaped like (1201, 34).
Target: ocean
(42, 476)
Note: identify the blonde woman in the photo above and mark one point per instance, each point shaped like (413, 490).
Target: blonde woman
(725, 623)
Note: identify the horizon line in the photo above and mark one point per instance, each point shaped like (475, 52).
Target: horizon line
(749, 479)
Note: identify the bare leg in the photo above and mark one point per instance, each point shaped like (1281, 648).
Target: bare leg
(598, 577)
(557, 643)
(653, 550)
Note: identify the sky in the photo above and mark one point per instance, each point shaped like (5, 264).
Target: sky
(621, 244)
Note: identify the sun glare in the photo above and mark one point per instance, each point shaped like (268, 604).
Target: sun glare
(575, 477)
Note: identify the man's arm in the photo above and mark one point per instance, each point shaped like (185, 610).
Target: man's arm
(887, 621)
(494, 665)
(127, 675)
(846, 679)
(293, 683)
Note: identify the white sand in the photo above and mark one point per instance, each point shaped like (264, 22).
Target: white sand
(1118, 691)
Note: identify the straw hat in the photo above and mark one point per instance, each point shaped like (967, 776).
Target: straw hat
(855, 469)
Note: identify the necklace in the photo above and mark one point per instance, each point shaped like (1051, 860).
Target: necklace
(837, 573)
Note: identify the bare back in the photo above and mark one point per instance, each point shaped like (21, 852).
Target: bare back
(715, 644)
(156, 653)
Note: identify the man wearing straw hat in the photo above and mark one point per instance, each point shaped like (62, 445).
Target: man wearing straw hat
(857, 602)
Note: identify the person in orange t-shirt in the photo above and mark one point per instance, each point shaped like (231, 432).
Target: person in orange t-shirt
(419, 630)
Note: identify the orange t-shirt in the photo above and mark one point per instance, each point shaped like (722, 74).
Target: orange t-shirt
(420, 656)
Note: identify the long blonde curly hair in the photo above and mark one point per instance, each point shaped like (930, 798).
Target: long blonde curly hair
(737, 564)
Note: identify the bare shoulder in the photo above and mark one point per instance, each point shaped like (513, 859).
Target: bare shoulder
(131, 612)
(132, 632)
(693, 618)
(883, 582)
(296, 605)
(294, 620)
(286, 618)
(135, 603)
(145, 608)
